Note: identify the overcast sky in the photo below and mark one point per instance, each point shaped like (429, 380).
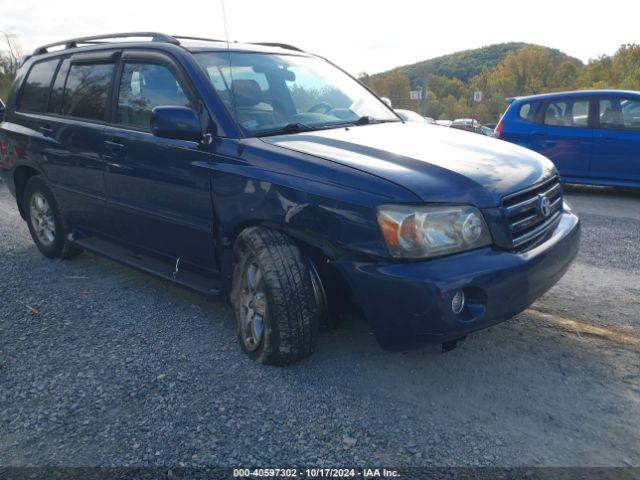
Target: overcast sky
(358, 35)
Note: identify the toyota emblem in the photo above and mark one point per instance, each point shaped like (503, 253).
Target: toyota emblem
(544, 205)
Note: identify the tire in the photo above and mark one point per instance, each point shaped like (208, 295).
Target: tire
(281, 295)
(55, 245)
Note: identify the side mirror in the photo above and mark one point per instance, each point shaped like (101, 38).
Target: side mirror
(180, 123)
(387, 101)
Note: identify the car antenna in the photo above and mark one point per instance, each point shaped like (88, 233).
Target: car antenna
(226, 36)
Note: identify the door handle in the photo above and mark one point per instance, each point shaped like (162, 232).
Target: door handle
(113, 145)
(113, 149)
(112, 153)
(539, 134)
(45, 130)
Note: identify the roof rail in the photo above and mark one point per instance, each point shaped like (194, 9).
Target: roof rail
(72, 43)
(24, 59)
(182, 37)
(155, 37)
(286, 46)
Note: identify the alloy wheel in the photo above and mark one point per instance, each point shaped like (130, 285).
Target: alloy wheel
(41, 215)
(253, 307)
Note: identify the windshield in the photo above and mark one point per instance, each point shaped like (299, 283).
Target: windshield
(269, 94)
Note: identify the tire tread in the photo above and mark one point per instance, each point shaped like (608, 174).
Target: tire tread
(294, 311)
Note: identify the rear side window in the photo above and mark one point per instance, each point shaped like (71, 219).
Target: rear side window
(87, 90)
(567, 113)
(144, 87)
(35, 92)
(527, 111)
(620, 113)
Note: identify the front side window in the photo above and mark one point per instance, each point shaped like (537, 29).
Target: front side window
(144, 87)
(35, 92)
(567, 113)
(269, 93)
(87, 90)
(620, 113)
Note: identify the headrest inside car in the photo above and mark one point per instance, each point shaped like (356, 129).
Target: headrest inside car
(247, 93)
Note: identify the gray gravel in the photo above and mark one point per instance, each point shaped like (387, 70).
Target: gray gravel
(103, 366)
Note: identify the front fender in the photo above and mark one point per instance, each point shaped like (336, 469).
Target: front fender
(329, 217)
(324, 204)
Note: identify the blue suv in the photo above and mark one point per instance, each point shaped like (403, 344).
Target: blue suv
(268, 176)
(593, 137)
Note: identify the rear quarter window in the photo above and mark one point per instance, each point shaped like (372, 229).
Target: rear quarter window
(527, 111)
(35, 91)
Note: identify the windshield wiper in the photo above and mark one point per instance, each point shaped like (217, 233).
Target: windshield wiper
(368, 120)
(364, 120)
(294, 127)
(297, 127)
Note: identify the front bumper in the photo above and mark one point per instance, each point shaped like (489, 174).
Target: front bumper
(409, 304)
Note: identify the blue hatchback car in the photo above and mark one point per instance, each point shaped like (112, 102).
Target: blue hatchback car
(268, 176)
(592, 137)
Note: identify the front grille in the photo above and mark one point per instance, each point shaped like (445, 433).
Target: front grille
(528, 226)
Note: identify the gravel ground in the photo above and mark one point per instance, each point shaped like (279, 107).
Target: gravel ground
(103, 366)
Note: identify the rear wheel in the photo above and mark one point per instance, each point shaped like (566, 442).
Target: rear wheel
(276, 309)
(47, 226)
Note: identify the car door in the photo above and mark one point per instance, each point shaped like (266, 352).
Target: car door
(565, 135)
(616, 153)
(27, 130)
(158, 195)
(520, 124)
(71, 131)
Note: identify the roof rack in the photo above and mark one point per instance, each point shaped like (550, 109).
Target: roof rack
(154, 36)
(72, 43)
(286, 46)
(182, 37)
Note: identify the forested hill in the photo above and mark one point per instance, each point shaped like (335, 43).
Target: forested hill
(465, 64)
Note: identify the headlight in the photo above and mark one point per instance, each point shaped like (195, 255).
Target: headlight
(430, 231)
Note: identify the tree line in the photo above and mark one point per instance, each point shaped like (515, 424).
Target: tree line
(528, 70)
(10, 58)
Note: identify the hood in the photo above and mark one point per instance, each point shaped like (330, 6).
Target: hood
(436, 163)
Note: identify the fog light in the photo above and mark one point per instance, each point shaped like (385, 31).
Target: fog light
(457, 304)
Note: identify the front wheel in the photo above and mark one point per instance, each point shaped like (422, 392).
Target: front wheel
(276, 309)
(46, 223)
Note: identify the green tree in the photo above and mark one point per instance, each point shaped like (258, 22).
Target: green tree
(626, 67)
(395, 87)
(10, 58)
